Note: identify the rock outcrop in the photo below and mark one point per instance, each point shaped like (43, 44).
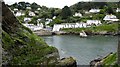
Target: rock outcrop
(20, 46)
(43, 32)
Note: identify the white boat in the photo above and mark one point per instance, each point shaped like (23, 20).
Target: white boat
(83, 34)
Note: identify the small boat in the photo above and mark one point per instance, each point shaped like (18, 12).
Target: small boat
(83, 34)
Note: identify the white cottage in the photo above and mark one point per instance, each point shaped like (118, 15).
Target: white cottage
(96, 22)
(29, 8)
(110, 18)
(54, 17)
(15, 9)
(38, 8)
(77, 14)
(31, 13)
(38, 20)
(33, 27)
(94, 10)
(48, 21)
(118, 10)
(26, 19)
(19, 13)
(57, 27)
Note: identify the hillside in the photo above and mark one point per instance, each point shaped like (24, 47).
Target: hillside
(20, 46)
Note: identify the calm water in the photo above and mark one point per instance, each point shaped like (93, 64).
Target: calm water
(83, 49)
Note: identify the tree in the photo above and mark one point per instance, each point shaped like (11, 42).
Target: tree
(66, 12)
(22, 5)
(34, 6)
(110, 10)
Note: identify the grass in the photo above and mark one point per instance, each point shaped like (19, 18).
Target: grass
(104, 27)
(110, 60)
(25, 47)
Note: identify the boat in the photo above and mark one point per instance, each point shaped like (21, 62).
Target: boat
(83, 34)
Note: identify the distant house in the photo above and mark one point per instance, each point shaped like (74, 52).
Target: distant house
(37, 12)
(38, 20)
(31, 13)
(54, 17)
(118, 10)
(57, 27)
(110, 18)
(38, 8)
(48, 21)
(95, 22)
(26, 19)
(33, 27)
(29, 8)
(40, 24)
(19, 13)
(15, 9)
(94, 10)
(78, 15)
(86, 12)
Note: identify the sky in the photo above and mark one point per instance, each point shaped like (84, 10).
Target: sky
(48, 3)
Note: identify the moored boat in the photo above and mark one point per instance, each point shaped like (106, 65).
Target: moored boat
(83, 34)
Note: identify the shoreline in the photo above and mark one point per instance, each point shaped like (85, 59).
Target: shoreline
(49, 33)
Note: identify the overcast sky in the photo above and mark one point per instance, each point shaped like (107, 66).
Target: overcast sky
(55, 3)
(48, 3)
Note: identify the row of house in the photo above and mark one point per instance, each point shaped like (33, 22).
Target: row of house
(33, 27)
(21, 13)
(88, 23)
(98, 10)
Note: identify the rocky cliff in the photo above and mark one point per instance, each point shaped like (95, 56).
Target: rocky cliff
(20, 46)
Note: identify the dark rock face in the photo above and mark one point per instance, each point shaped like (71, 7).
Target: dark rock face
(20, 46)
(119, 52)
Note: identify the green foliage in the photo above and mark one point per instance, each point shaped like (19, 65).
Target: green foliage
(66, 12)
(98, 17)
(110, 10)
(34, 6)
(55, 21)
(110, 60)
(104, 27)
(21, 18)
(34, 20)
(118, 15)
(21, 5)
(26, 48)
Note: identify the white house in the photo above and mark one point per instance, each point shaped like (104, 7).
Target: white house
(19, 13)
(96, 22)
(54, 17)
(57, 27)
(78, 15)
(94, 10)
(26, 19)
(48, 21)
(38, 20)
(40, 24)
(15, 9)
(29, 8)
(36, 11)
(33, 27)
(38, 8)
(118, 10)
(110, 18)
(31, 13)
